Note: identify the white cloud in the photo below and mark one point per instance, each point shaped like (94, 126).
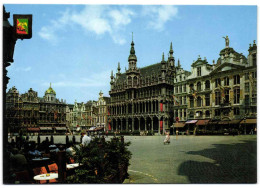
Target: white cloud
(97, 19)
(159, 15)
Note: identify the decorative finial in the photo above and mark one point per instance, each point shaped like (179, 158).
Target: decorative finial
(163, 56)
(50, 84)
(132, 36)
(213, 62)
(254, 41)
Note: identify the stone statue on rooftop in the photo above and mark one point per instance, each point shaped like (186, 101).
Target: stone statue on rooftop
(227, 41)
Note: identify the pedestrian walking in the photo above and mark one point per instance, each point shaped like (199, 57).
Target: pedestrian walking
(167, 138)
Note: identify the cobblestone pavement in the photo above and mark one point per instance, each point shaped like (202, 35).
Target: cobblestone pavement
(193, 159)
(189, 159)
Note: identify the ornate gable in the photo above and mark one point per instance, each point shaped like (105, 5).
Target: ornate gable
(226, 67)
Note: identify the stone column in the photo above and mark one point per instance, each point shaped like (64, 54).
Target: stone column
(145, 124)
(159, 127)
(133, 123)
(145, 107)
(152, 124)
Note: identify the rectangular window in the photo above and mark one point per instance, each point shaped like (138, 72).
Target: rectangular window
(217, 98)
(217, 82)
(247, 100)
(247, 87)
(236, 95)
(207, 99)
(254, 74)
(226, 93)
(180, 99)
(199, 71)
(226, 81)
(180, 89)
(236, 79)
(184, 88)
(191, 102)
(236, 111)
(217, 112)
(254, 100)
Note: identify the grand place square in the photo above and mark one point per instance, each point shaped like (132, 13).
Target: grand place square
(114, 110)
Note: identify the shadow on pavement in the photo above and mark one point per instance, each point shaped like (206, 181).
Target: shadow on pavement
(234, 163)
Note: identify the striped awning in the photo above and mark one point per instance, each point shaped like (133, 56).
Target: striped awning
(34, 129)
(248, 121)
(45, 128)
(202, 122)
(61, 128)
(179, 125)
(191, 121)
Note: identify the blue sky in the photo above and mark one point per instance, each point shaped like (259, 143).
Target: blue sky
(75, 47)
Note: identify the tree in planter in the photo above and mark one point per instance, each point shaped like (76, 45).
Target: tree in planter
(100, 161)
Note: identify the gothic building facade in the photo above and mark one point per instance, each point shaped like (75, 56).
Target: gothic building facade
(141, 98)
(29, 113)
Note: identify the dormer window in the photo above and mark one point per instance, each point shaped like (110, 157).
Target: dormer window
(198, 71)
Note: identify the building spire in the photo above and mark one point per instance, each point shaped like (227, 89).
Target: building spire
(112, 76)
(118, 68)
(50, 84)
(171, 50)
(163, 56)
(179, 64)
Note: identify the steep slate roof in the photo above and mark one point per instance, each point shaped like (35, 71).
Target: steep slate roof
(145, 71)
(151, 69)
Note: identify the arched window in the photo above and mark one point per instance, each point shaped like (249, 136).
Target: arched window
(130, 80)
(135, 81)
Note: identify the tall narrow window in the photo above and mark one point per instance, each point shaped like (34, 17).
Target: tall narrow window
(236, 95)
(226, 81)
(199, 102)
(217, 82)
(217, 98)
(226, 93)
(198, 86)
(198, 71)
(247, 87)
(207, 84)
(191, 102)
(236, 79)
(207, 98)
